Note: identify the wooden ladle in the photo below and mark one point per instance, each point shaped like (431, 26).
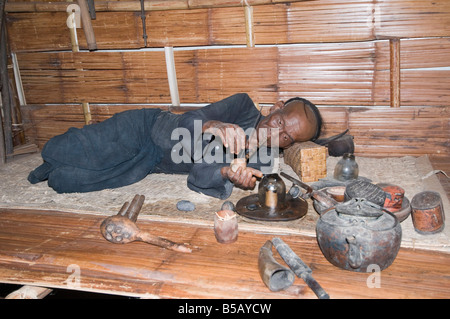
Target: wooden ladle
(122, 228)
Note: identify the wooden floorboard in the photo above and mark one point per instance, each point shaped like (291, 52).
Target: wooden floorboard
(54, 249)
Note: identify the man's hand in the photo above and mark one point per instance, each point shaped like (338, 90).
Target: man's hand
(244, 177)
(232, 135)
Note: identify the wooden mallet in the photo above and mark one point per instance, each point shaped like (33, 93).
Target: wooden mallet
(122, 228)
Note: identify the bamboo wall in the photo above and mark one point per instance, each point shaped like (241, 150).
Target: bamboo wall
(337, 53)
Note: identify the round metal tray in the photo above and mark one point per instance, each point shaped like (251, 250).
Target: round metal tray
(293, 208)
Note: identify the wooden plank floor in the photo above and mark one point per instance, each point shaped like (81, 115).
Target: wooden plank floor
(66, 250)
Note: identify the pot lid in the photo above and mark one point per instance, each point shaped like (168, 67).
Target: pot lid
(359, 207)
(360, 212)
(364, 189)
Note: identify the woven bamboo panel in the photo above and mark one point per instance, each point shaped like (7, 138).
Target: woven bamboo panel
(425, 53)
(42, 122)
(378, 132)
(38, 31)
(45, 31)
(101, 77)
(314, 21)
(336, 74)
(425, 87)
(196, 27)
(223, 72)
(421, 86)
(327, 74)
(401, 131)
(177, 28)
(412, 18)
(299, 22)
(385, 132)
(308, 160)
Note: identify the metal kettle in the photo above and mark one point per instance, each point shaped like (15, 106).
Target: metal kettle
(357, 234)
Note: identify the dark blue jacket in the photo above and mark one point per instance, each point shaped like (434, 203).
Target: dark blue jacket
(132, 144)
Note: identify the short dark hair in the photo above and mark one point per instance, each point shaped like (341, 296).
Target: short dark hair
(315, 111)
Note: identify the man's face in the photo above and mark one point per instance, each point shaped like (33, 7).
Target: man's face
(294, 122)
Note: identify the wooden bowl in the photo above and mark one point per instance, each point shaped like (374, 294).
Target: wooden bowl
(404, 212)
(337, 192)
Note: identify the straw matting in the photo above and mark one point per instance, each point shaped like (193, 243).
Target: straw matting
(163, 191)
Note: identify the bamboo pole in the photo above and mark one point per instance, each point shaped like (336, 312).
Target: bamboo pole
(394, 45)
(87, 113)
(87, 25)
(172, 76)
(250, 35)
(72, 24)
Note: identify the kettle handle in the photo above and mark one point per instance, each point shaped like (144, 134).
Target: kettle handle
(354, 252)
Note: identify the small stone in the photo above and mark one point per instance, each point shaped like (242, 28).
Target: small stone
(227, 205)
(185, 205)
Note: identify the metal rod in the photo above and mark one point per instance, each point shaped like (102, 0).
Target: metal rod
(144, 28)
(299, 267)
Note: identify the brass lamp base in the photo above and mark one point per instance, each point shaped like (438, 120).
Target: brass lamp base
(291, 209)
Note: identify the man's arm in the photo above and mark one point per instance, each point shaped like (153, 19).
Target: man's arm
(226, 119)
(207, 179)
(243, 177)
(232, 135)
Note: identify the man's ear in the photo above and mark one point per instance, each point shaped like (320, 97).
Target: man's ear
(277, 106)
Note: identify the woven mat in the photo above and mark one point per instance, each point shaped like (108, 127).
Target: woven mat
(163, 191)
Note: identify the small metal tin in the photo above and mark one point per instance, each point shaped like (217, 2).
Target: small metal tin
(427, 213)
(394, 196)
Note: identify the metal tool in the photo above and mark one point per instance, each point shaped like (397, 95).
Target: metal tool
(91, 7)
(242, 158)
(121, 228)
(299, 267)
(318, 195)
(246, 154)
(144, 28)
(250, 152)
(87, 25)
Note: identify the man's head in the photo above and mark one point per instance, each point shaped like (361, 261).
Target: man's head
(297, 120)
